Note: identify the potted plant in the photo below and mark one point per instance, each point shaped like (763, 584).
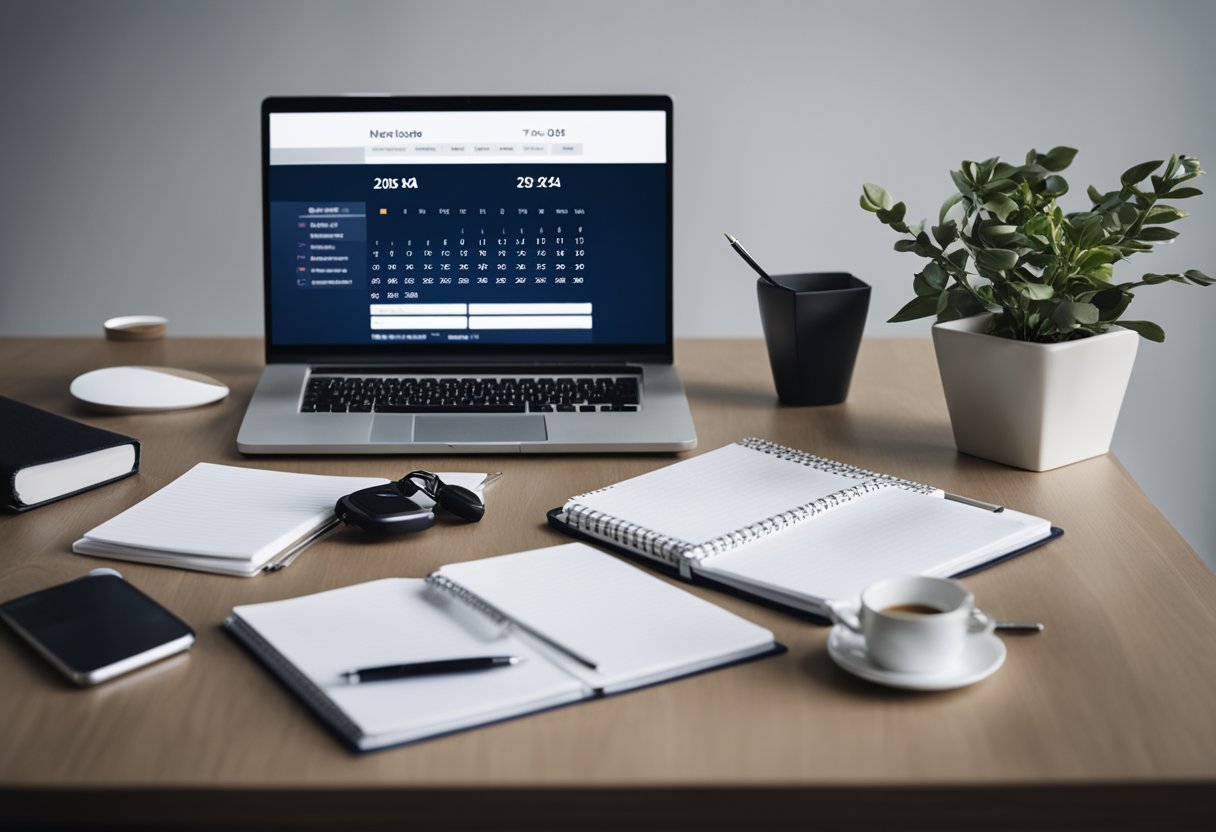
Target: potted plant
(1031, 342)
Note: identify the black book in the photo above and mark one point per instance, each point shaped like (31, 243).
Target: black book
(45, 457)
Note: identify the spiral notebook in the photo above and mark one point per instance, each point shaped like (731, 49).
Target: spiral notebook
(795, 530)
(584, 623)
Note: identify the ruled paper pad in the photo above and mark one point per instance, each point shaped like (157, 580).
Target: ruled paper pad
(228, 512)
(878, 535)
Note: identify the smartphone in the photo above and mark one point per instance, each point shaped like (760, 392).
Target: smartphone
(96, 627)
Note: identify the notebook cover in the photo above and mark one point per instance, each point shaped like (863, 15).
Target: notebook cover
(777, 649)
(556, 522)
(33, 436)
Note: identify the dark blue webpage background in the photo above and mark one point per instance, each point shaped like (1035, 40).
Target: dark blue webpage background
(625, 246)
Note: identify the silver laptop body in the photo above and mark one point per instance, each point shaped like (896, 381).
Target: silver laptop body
(478, 275)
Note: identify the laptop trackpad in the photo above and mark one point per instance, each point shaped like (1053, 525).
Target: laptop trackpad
(498, 427)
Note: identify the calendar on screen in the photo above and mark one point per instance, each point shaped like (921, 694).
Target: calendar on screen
(479, 228)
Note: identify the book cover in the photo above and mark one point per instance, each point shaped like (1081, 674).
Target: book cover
(45, 457)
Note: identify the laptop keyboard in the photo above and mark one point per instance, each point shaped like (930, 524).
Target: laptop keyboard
(464, 394)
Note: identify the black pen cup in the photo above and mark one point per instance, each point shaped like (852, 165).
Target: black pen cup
(813, 323)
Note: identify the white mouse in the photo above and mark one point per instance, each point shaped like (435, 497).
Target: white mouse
(143, 389)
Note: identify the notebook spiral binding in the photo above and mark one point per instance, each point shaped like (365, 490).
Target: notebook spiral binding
(295, 679)
(831, 466)
(679, 552)
(449, 587)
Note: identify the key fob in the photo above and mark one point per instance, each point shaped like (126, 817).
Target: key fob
(383, 510)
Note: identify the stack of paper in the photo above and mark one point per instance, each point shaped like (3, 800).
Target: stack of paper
(231, 520)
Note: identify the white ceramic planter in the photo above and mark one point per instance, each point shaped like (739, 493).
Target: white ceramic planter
(1032, 406)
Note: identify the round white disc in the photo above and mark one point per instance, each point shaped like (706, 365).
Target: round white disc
(146, 389)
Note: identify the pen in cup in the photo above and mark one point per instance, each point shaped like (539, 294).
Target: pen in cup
(748, 259)
(389, 672)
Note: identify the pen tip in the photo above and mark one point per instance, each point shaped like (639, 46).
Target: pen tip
(729, 238)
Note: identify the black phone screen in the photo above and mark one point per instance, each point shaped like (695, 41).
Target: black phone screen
(93, 622)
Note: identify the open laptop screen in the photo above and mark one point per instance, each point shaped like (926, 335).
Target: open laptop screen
(463, 225)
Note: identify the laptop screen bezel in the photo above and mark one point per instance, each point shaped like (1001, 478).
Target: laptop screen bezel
(399, 354)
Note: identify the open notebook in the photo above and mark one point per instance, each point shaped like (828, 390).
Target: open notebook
(795, 529)
(543, 606)
(233, 520)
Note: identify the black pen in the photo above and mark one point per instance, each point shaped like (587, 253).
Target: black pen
(748, 259)
(433, 668)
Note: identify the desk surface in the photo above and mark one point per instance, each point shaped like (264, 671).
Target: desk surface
(1109, 713)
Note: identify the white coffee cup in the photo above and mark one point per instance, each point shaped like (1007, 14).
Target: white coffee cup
(916, 624)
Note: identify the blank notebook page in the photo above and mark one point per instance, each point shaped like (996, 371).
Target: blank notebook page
(884, 533)
(631, 624)
(719, 492)
(397, 621)
(224, 511)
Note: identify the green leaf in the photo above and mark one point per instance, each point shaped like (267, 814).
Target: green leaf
(958, 258)
(950, 202)
(1198, 278)
(996, 258)
(1058, 158)
(1098, 256)
(956, 302)
(1156, 235)
(1146, 329)
(1094, 196)
(1102, 272)
(921, 307)
(1162, 214)
(1152, 278)
(1035, 291)
(1069, 315)
(1000, 186)
(905, 245)
(1111, 303)
(1091, 233)
(876, 195)
(894, 214)
(1002, 206)
(924, 246)
(998, 232)
(1136, 173)
(1183, 193)
(945, 234)
(960, 182)
(1055, 186)
(936, 276)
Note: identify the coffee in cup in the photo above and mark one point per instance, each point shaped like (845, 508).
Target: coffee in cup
(915, 624)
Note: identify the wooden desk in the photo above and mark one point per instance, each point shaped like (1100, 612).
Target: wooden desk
(1106, 720)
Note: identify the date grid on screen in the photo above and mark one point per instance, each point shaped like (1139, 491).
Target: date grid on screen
(428, 267)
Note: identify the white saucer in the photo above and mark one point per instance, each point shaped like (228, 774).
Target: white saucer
(983, 656)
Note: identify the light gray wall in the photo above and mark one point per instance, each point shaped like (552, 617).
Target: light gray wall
(130, 148)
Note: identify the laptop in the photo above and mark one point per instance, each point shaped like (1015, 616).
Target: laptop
(473, 274)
